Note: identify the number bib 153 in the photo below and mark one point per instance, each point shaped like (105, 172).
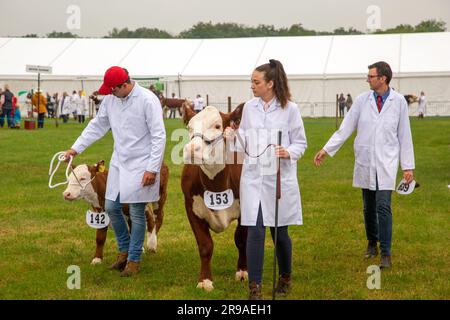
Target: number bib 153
(97, 220)
(218, 200)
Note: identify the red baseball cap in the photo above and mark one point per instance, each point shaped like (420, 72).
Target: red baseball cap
(113, 77)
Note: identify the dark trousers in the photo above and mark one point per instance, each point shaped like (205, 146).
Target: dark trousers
(255, 249)
(9, 119)
(41, 117)
(378, 218)
(81, 118)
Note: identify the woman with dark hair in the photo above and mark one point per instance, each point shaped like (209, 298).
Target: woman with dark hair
(263, 116)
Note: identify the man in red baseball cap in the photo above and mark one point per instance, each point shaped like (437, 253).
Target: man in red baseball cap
(114, 81)
(134, 116)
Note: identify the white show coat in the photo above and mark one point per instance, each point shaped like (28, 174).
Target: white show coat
(74, 102)
(65, 109)
(81, 105)
(139, 140)
(382, 140)
(422, 102)
(258, 185)
(198, 103)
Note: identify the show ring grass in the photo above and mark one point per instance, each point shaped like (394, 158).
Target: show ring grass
(41, 235)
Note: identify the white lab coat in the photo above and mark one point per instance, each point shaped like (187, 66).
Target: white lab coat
(81, 104)
(65, 109)
(382, 140)
(198, 103)
(422, 102)
(139, 140)
(258, 185)
(74, 102)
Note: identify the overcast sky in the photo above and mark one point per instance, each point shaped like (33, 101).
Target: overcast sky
(97, 17)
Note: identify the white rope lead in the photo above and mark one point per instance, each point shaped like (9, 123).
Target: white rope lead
(51, 172)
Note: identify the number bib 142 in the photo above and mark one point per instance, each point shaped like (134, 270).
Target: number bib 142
(218, 200)
(97, 220)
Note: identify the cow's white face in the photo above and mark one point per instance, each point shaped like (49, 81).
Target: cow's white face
(206, 146)
(74, 190)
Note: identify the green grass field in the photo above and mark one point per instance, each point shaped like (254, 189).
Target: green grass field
(41, 235)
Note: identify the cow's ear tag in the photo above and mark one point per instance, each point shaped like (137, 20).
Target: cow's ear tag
(101, 168)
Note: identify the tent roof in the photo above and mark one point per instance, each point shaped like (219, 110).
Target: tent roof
(321, 56)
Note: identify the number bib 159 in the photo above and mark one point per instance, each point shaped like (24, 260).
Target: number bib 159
(218, 200)
(97, 220)
(404, 188)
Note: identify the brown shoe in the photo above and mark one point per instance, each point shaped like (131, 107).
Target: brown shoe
(131, 269)
(372, 250)
(385, 262)
(254, 291)
(284, 284)
(121, 261)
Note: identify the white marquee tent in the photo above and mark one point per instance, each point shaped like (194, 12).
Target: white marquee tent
(318, 67)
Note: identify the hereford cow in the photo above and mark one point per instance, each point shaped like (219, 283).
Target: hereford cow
(89, 183)
(205, 174)
(410, 98)
(172, 103)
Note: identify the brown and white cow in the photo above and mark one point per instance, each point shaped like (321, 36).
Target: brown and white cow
(410, 99)
(94, 193)
(204, 171)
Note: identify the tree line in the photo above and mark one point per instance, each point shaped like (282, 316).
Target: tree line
(205, 30)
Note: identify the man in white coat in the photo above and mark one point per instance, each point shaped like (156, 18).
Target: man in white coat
(198, 103)
(383, 139)
(135, 118)
(422, 103)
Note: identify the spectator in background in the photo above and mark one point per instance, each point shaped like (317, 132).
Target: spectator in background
(64, 107)
(341, 103)
(39, 101)
(173, 109)
(50, 105)
(81, 107)
(55, 105)
(16, 114)
(348, 102)
(422, 103)
(198, 103)
(6, 102)
(74, 101)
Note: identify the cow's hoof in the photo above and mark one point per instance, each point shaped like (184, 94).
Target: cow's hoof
(96, 261)
(152, 242)
(206, 285)
(241, 275)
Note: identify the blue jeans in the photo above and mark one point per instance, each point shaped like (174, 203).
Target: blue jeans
(9, 119)
(378, 218)
(126, 242)
(255, 249)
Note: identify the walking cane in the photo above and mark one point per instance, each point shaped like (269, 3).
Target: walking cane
(278, 196)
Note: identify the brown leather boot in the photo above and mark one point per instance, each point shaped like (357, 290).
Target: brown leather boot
(254, 291)
(372, 250)
(121, 261)
(131, 269)
(385, 262)
(284, 284)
